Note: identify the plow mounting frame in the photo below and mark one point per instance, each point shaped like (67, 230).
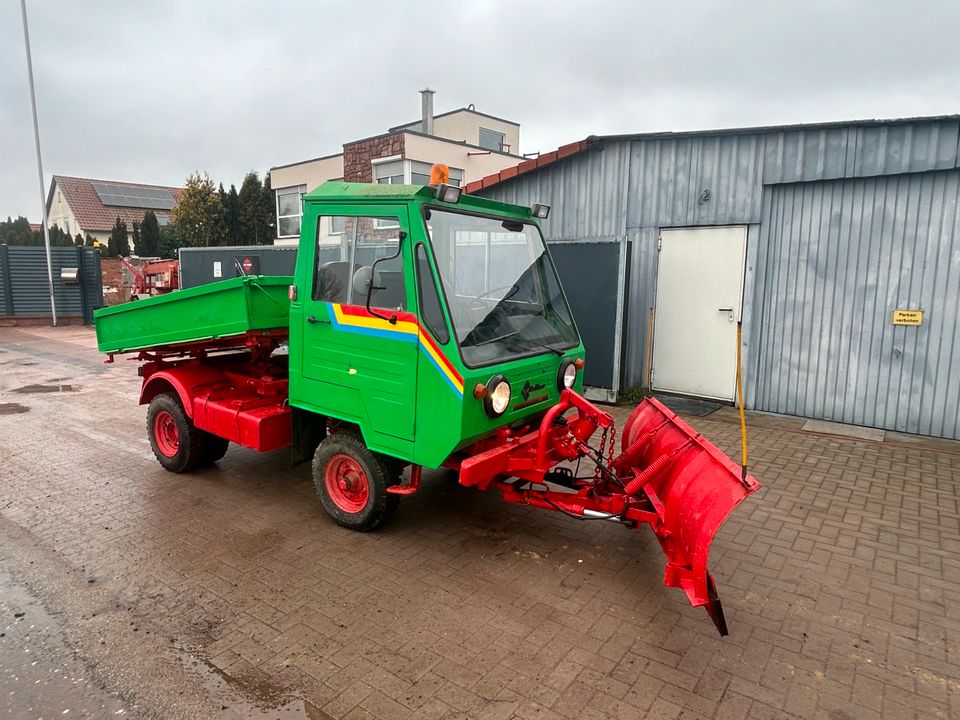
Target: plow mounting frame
(666, 476)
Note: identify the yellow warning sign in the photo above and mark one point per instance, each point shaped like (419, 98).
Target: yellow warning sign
(908, 317)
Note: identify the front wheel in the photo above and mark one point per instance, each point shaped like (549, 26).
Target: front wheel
(352, 482)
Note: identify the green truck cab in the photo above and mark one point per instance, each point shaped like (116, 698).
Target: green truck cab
(427, 324)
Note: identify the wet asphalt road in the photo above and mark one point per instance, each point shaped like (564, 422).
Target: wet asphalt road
(70, 647)
(40, 675)
(228, 594)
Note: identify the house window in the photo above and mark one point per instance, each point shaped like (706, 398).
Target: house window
(491, 139)
(419, 173)
(289, 210)
(389, 173)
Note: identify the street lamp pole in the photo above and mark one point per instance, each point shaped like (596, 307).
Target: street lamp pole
(36, 137)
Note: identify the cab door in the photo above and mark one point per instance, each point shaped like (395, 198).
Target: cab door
(359, 338)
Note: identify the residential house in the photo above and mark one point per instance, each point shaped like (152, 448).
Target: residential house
(471, 143)
(91, 207)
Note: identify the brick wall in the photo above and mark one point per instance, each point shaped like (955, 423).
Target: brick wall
(357, 156)
(112, 277)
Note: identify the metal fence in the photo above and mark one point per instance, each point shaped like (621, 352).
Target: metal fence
(24, 290)
(210, 264)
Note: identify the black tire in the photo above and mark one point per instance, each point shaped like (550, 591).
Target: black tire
(214, 447)
(188, 450)
(379, 472)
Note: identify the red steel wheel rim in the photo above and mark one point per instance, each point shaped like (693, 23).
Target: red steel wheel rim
(346, 483)
(166, 434)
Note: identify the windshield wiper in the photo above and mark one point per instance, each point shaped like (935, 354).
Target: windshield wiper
(537, 343)
(493, 339)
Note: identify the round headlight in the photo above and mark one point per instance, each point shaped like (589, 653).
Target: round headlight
(498, 396)
(567, 375)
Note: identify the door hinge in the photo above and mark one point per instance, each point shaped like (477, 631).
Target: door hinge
(659, 241)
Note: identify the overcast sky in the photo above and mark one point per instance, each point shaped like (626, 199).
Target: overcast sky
(149, 91)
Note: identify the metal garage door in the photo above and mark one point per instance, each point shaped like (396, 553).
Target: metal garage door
(593, 275)
(835, 259)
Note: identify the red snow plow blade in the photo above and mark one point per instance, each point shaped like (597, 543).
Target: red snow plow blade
(667, 476)
(692, 487)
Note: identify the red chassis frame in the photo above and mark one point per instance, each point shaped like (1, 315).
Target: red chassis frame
(231, 387)
(666, 475)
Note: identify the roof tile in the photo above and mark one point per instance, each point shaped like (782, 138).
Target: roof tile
(528, 166)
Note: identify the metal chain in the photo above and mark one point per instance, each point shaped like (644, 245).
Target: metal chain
(603, 442)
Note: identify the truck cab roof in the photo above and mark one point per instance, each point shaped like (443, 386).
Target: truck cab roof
(375, 192)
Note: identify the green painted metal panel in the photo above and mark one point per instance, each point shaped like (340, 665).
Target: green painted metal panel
(216, 310)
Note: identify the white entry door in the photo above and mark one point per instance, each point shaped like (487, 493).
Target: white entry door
(699, 298)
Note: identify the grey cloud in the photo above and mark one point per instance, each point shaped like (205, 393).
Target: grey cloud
(152, 91)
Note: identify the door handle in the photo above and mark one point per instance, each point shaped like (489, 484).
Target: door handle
(724, 309)
(311, 319)
(729, 311)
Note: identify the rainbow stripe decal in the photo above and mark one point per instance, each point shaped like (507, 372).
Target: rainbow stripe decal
(353, 318)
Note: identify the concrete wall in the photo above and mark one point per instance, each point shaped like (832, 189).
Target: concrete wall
(464, 126)
(311, 173)
(474, 163)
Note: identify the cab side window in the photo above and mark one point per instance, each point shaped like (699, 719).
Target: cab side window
(431, 311)
(347, 247)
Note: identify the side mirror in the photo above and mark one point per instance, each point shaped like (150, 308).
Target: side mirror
(365, 280)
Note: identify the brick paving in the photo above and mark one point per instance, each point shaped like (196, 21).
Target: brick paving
(840, 578)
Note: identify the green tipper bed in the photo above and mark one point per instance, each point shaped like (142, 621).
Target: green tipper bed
(215, 310)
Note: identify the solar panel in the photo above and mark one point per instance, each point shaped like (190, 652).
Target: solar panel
(135, 197)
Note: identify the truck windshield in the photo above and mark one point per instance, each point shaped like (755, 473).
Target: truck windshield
(501, 287)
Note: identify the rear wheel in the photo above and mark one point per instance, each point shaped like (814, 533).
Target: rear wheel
(352, 481)
(176, 442)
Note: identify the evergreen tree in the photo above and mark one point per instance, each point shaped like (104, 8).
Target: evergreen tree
(18, 232)
(268, 210)
(249, 211)
(169, 242)
(150, 235)
(137, 244)
(231, 214)
(119, 243)
(198, 215)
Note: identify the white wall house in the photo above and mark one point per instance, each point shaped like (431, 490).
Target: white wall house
(472, 144)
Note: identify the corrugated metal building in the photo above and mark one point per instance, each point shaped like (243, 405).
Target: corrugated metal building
(842, 225)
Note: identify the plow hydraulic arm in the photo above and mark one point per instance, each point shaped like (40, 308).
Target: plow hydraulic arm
(666, 476)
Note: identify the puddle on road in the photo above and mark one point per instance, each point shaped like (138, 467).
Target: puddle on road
(13, 408)
(245, 698)
(44, 389)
